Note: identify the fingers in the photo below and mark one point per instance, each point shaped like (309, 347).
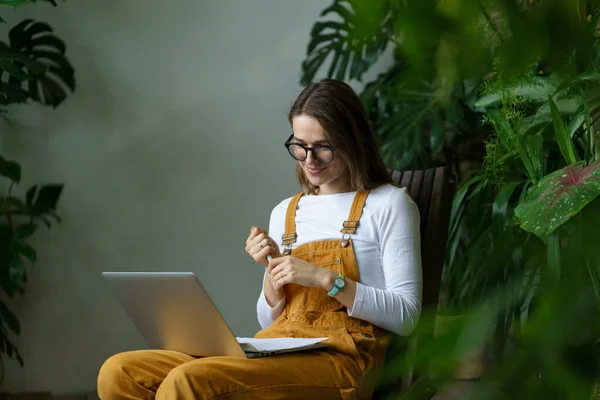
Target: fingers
(281, 273)
(277, 261)
(258, 235)
(257, 240)
(255, 231)
(259, 245)
(279, 283)
(281, 278)
(260, 256)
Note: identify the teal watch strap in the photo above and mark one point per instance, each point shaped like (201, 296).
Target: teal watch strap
(337, 285)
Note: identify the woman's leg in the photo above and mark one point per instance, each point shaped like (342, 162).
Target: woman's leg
(136, 375)
(315, 375)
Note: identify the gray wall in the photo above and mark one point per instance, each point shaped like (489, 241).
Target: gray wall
(170, 149)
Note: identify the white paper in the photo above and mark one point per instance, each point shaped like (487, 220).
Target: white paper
(275, 344)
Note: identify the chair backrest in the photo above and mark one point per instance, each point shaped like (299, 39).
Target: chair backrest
(432, 190)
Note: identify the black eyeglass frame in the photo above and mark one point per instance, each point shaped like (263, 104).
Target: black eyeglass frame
(307, 149)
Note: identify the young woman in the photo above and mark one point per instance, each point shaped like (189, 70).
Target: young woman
(342, 260)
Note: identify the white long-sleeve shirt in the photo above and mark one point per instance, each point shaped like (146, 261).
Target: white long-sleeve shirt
(387, 247)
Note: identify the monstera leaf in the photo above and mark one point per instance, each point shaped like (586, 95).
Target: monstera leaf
(356, 38)
(21, 3)
(557, 197)
(36, 65)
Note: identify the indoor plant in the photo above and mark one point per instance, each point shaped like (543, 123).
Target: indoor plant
(532, 207)
(33, 67)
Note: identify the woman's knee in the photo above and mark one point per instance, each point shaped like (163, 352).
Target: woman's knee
(113, 375)
(187, 381)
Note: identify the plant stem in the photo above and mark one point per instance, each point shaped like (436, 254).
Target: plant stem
(489, 19)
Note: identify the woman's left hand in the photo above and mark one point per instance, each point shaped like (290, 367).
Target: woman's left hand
(290, 269)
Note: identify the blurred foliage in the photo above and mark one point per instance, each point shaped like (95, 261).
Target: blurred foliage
(21, 220)
(33, 66)
(508, 93)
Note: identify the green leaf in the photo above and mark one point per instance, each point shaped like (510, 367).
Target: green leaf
(557, 197)
(16, 205)
(456, 213)
(533, 145)
(12, 93)
(9, 318)
(41, 57)
(18, 356)
(6, 253)
(30, 195)
(586, 77)
(24, 231)
(16, 270)
(553, 255)
(26, 250)
(538, 91)
(21, 233)
(436, 131)
(318, 27)
(14, 60)
(565, 105)
(47, 199)
(355, 41)
(9, 348)
(458, 201)
(12, 69)
(500, 207)
(10, 170)
(576, 123)
(14, 3)
(563, 138)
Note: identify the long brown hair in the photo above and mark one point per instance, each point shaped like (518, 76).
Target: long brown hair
(340, 112)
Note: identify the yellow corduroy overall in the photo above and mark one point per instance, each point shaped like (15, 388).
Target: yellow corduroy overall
(345, 369)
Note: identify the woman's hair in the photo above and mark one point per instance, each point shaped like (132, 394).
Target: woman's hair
(340, 112)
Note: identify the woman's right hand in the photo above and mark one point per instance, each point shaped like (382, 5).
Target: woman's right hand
(259, 245)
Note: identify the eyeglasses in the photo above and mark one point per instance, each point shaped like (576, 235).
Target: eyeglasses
(320, 152)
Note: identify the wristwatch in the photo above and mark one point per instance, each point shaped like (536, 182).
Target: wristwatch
(338, 284)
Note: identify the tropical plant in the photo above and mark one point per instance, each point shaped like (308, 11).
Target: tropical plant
(21, 219)
(422, 106)
(539, 172)
(33, 67)
(522, 264)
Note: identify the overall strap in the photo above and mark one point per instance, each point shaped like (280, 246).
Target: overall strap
(356, 210)
(289, 237)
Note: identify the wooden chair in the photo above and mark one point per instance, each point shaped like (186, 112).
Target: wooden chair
(433, 191)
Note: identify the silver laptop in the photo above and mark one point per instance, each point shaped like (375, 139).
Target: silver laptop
(172, 311)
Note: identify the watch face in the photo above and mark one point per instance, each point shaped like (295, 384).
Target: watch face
(339, 282)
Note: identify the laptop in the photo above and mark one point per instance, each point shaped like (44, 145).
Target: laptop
(173, 311)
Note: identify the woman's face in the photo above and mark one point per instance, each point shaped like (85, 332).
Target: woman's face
(330, 177)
